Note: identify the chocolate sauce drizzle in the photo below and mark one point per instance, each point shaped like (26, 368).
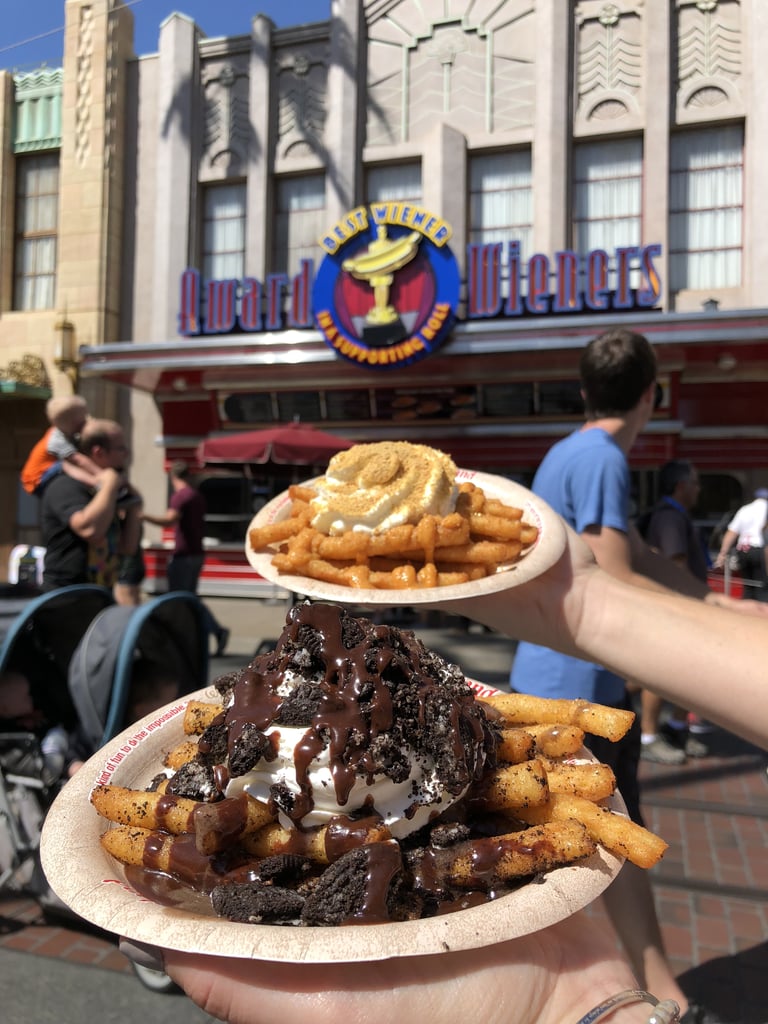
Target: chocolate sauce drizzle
(368, 676)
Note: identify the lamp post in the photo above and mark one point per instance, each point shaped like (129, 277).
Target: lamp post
(65, 356)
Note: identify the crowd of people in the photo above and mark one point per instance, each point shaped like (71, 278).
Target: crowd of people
(624, 611)
(91, 516)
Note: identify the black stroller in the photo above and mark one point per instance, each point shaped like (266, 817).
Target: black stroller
(89, 664)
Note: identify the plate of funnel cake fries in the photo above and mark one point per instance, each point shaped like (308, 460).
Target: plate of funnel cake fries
(317, 789)
(396, 523)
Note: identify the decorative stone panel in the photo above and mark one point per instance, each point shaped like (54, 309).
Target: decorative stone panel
(709, 59)
(301, 80)
(227, 134)
(84, 92)
(469, 65)
(609, 65)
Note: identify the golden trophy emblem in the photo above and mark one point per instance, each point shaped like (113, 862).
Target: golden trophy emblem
(377, 266)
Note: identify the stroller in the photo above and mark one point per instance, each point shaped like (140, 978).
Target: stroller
(89, 663)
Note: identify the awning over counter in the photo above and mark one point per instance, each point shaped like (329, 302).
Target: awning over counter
(696, 342)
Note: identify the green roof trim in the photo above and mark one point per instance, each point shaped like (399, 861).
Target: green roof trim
(15, 389)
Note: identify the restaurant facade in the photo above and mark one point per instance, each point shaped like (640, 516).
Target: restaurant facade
(406, 222)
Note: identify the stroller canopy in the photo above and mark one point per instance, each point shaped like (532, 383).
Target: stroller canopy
(40, 639)
(166, 640)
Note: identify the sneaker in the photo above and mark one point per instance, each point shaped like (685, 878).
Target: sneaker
(695, 748)
(222, 639)
(698, 725)
(661, 751)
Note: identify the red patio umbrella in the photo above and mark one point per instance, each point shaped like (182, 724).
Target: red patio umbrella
(289, 444)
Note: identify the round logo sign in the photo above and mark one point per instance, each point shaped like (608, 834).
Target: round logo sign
(387, 290)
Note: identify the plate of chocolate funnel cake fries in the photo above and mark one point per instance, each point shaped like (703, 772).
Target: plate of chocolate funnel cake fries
(350, 777)
(394, 523)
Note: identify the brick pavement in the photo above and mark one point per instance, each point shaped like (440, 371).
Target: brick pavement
(712, 885)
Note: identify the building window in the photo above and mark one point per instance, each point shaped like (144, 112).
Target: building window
(37, 206)
(706, 208)
(607, 195)
(299, 222)
(501, 199)
(223, 232)
(393, 183)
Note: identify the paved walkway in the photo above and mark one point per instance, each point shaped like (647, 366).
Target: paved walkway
(711, 887)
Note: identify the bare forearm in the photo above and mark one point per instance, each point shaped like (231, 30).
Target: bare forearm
(729, 539)
(665, 573)
(707, 658)
(92, 522)
(704, 657)
(165, 519)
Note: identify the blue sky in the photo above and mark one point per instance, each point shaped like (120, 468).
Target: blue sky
(31, 31)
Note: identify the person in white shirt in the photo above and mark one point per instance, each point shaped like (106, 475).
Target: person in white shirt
(747, 530)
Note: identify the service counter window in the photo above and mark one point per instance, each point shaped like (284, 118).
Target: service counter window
(233, 498)
(229, 507)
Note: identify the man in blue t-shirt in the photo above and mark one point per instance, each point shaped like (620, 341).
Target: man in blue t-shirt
(585, 477)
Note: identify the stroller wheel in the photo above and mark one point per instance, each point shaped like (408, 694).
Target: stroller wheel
(155, 981)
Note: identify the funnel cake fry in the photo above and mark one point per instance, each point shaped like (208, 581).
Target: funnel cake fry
(592, 781)
(219, 825)
(199, 715)
(181, 754)
(556, 740)
(597, 719)
(132, 807)
(515, 785)
(485, 863)
(322, 844)
(616, 833)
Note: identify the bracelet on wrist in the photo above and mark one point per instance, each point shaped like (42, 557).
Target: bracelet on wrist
(664, 1012)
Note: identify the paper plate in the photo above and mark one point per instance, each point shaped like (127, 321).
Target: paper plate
(534, 560)
(95, 886)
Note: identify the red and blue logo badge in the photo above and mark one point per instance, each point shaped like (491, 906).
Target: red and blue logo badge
(387, 291)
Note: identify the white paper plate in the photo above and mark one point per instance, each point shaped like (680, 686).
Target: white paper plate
(89, 881)
(535, 560)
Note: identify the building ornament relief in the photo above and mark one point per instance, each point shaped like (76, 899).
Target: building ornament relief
(302, 110)
(227, 124)
(609, 59)
(84, 82)
(709, 57)
(475, 66)
(28, 370)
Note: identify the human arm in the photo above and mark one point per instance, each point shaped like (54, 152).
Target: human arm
(704, 657)
(83, 462)
(627, 557)
(729, 539)
(167, 518)
(591, 490)
(92, 521)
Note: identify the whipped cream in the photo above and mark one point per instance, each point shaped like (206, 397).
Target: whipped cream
(404, 807)
(373, 487)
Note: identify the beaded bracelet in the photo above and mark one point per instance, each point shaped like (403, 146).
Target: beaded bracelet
(665, 1012)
